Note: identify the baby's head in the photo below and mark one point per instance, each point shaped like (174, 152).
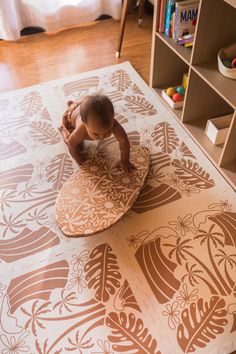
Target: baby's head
(97, 114)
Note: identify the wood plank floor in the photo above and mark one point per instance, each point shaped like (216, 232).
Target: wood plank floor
(43, 57)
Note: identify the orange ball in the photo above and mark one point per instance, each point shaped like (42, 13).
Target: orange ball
(170, 91)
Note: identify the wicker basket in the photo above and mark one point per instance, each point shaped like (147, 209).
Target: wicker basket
(227, 53)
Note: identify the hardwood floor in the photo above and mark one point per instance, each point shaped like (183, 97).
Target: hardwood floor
(43, 57)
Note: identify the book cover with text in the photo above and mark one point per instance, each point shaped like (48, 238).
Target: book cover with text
(186, 13)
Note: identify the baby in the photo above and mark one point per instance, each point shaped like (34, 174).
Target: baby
(92, 118)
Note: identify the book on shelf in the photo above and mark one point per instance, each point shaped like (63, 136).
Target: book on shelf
(170, 17)
(189, 44)
(185, 39)
(162, 16)
(172, 23)
(170, 7)
(185, 18)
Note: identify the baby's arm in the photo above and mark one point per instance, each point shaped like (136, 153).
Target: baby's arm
(75, 144)
(64, 132)
(124, 145)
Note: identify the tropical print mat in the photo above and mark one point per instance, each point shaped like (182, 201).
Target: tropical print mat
(162, 280)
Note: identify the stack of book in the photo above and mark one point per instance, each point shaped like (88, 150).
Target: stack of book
(178, 20)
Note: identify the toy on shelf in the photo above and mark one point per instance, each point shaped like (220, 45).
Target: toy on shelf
(233, 63)
(186, 40)
(185, 80)
(174, 96)
(227, 61)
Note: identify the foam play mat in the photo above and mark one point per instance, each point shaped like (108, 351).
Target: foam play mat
(162, 280)
(99, 193)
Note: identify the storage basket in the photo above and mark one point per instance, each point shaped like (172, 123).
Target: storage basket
(227, 53)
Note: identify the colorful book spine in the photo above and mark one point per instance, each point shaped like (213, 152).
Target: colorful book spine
(172, 22)
(162, 16)
(168, 16)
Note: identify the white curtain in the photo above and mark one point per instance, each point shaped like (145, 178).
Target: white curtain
(51, 15)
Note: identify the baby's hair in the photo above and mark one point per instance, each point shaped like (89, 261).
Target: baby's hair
(99, 104)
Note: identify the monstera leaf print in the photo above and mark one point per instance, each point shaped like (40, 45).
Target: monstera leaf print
(31, 104)
(129, 335)
(184, 151)
(232, 311)
(160, 160)
(59, 170)
(137, 90)
(139, 104)
(43, 132)
(192, 174)
(120, 80)
(201, 323)
(114, 96)
(165, 137)
(102, 272)
(45, 114)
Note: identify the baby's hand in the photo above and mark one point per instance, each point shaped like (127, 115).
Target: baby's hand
(126, 165)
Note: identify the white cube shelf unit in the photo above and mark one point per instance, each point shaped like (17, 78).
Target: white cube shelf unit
(209, 94)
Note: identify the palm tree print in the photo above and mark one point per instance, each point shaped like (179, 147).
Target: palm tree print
(229, 260)
(194, 274)
(215, 238)
(180, 249)
(208, 236)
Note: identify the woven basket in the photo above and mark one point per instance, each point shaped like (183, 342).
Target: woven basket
(227, 53)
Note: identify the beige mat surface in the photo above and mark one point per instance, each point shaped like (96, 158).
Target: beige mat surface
(162, 280)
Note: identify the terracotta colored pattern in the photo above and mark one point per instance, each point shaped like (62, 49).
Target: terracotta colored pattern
(99, 194)
(160, 281)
